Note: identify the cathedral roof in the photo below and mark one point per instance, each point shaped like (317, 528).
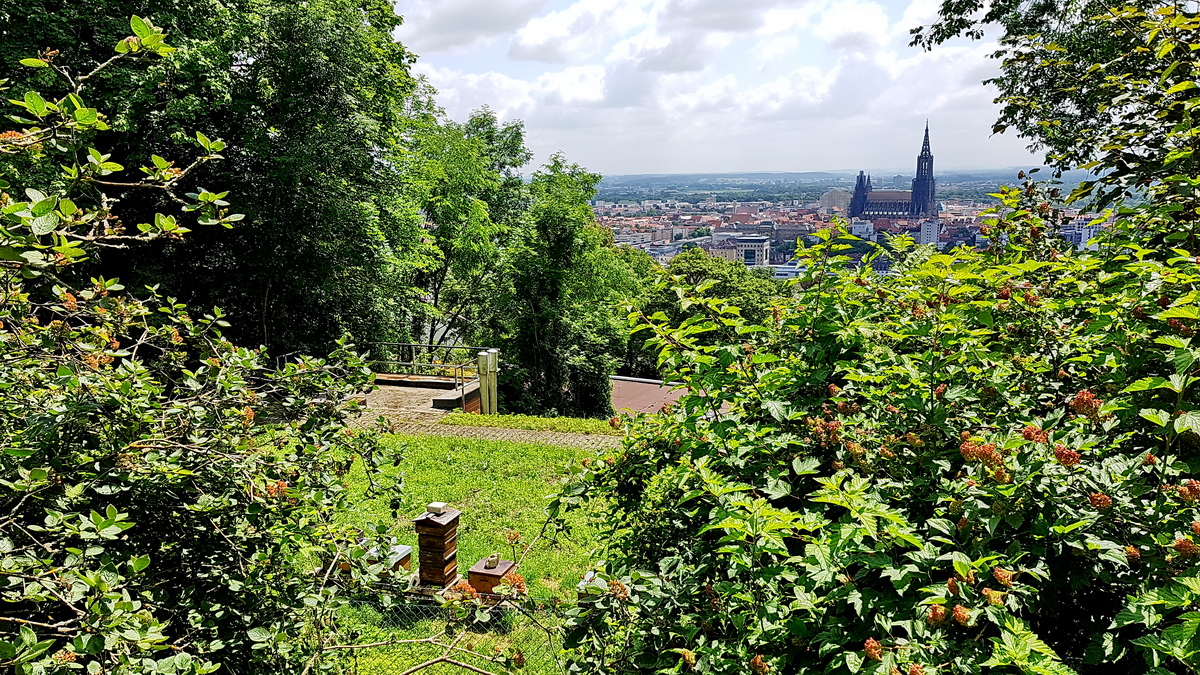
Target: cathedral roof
(889, 195)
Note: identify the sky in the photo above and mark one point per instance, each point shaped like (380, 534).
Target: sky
(714, 86)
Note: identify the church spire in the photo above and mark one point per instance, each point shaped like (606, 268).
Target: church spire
(924, 187)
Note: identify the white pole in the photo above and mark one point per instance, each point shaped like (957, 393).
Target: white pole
(494, 379)
(484, 391)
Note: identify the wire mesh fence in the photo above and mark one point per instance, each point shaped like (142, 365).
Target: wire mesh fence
(397, 636)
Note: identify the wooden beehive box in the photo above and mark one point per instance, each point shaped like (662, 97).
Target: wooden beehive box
(484, 579)
(437, 542)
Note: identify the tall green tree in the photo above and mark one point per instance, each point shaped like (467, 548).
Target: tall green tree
(732, 281)
(312, 98)
(555, 320)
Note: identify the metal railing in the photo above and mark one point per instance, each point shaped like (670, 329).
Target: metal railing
(412, 358)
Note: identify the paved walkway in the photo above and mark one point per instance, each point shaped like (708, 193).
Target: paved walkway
(512, 435)
(411, 412)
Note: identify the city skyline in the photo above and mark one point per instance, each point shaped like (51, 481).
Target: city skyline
(701, 86)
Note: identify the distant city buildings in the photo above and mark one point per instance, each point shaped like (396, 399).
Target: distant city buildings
(764, 234)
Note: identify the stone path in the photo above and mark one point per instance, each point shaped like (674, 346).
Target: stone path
(512, 435)
(410, 411)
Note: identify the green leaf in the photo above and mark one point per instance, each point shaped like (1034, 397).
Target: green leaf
(140, 562)
(43, 224)
(36, 104)
(1159, 417)
(43, 207)
(804, 466)
(1147, 383)
(139, 26)
(35, 63)
(1188, 420)
(259, 634)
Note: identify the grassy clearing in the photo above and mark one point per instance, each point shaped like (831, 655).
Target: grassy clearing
(570, 425)
(499, 486)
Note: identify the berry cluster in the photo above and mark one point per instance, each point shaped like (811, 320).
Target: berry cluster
(1189, 491)
(1132, 554)
(464, 591)
(1032, 433)
(977, 452)
(827, 432)
(873, 649)
(1003, 576)
(619, 590)
(962, 616)
(995, 598)
(936, 615)
(1085, 403)
(759, 666)
(1065, 456)
(1187, 548)
(1100, 500)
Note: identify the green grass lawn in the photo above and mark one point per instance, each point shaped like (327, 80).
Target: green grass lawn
(498, 486)
(571, 425)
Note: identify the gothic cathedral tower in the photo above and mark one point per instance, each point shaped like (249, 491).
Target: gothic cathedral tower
(924, 186)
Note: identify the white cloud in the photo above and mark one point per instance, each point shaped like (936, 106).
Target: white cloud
(435, 25)
(580, 31)
(628, 86)
(853, 25)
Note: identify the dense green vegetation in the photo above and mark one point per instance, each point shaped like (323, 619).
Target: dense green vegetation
(984, 461)
(366, 210)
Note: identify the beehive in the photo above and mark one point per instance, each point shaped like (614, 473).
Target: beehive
(437, 543)
(484, 579)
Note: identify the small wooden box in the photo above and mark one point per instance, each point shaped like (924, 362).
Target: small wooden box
(484, 579)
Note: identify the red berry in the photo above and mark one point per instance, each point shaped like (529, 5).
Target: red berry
(936, 615)
(1150, 460)
(1187, 548)
(1065, 455)
(873, 649)
(952, 584)
(1003, 576)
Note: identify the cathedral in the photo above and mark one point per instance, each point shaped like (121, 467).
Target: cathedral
(919, 202)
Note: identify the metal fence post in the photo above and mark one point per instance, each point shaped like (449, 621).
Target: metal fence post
(485, 390)
(493, 368)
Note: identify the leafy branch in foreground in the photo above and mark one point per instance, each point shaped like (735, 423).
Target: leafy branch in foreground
(166, 498)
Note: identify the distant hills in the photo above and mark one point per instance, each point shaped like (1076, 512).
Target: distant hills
(760, 178)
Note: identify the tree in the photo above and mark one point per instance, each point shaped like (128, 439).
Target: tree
(1077, 78)
(732, 281)
(165, 497)
(315, 114)
(556, 320)
(466, 178)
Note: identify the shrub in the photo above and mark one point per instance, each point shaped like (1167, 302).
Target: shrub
(165, 496)
(985, 460)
